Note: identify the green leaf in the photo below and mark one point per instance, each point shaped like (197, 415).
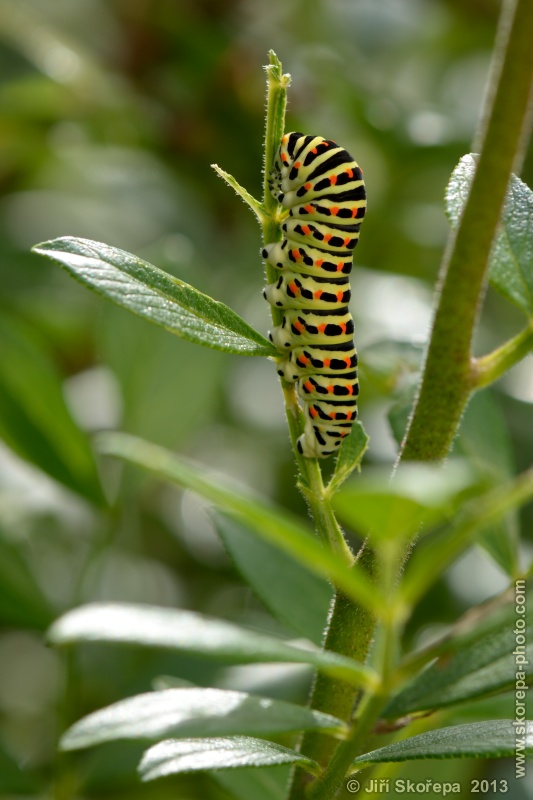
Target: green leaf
(350, 456)
(484, 438)
(21, 601)
(259, 784)
(490, 739)
(419, 494)
(433, 556)
(293, 594)
(194, 712)
(197, 755)
(155, 295)
(155, 405)
(511, 263)
(189, 632)
(34, 419)
(265, 520)
(468, 666)
(12, 779)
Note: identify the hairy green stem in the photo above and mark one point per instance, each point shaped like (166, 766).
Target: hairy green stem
(327, 786)
(447, 382)
(350, 627)
(350, 632)
(448, 374)
(310, 481)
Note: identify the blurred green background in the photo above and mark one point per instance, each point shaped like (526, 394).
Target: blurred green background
(110, 115)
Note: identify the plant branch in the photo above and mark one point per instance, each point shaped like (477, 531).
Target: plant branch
(487, 369)
(310, 480)
(446, 382)
(327, 786)
(249, 199)
(350, 627)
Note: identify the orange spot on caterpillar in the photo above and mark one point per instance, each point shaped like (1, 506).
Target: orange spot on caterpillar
(349, 414)
(319, 262)
(298, 325)
(310, 209)
(296, 254)
(342, 326)
(307, 230)
(308, 186)
(330, 388)
(313, 412)
(327, 237)
(327, 362)
(333, 415)
(318, 294)
(297, 164)
(314, 150)
(340, 266)
(333, 179)
(322, 327)
(354, 212)
(340, 295)
(294, 289)
(309, 386)
(334, 211)
(346, 241)
(348, 361)
(302, 361)
(283, 157)
(350, 389)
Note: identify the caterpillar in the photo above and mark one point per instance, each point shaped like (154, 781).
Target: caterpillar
(322, 187)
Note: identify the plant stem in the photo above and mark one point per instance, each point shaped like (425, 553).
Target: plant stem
(326, 787)
(447, 380)
(310, 480)
(487, 369)
(350, 627)
(350, 632)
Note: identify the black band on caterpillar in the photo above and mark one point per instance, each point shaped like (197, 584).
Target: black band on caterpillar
(323, 189)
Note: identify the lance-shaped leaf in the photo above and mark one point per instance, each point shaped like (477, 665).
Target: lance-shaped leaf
(482, 661)
(13, 781)
(511, 263)
(194, 712)
(22, 603)
(350, 455)
(261, 784)
(432, 557)
(155, 295)
(196, 755)
(34, 419)
(294, 594)
(281, 528)
(419, 494)
(190, 632)
(490, 739)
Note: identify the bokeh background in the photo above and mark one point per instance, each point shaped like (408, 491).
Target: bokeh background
(110, 116)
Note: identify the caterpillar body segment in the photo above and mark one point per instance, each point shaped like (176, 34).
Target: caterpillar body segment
(322, 387)
(315, 326)
(322, 188)
(313, 360)
(332, 235)
(296, 290)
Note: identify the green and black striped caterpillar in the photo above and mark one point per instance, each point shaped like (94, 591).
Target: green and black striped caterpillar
(322, 187)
